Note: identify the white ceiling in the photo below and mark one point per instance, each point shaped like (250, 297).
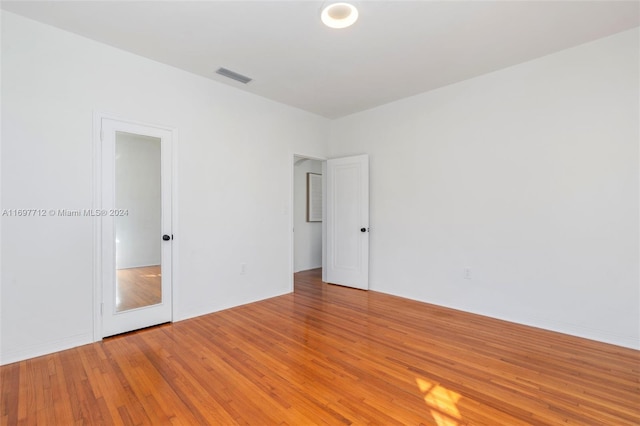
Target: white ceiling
(396, 49)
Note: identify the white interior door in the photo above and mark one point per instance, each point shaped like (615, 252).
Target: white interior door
(135, 220)
(347, 221)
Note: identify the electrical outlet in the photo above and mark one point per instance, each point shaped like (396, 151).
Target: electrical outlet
(243, 268)
(467, 274)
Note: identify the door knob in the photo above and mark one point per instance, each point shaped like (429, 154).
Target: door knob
(363, 229)
(166, 237)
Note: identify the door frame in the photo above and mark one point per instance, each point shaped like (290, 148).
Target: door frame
(292, 246)
(96, 204)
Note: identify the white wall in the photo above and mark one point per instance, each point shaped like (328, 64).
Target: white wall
(138, 191)
(528, 177)
(307, 235)
(233, 182)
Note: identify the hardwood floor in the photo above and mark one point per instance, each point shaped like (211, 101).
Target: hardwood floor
(138, 287)
(329, 355)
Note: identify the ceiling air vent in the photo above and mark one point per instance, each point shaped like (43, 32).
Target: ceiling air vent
(233, 75)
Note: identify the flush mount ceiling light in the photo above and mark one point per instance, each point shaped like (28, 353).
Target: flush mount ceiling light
(339, 15)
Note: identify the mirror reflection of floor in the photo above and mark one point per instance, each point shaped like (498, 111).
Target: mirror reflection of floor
(138, 287)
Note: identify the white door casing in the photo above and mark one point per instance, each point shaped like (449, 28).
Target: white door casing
(347, 221)
(114, 322)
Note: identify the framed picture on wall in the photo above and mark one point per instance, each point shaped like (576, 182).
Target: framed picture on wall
(314, 197)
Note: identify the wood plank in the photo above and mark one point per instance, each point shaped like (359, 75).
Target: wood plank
(138, 287)
(329, 355)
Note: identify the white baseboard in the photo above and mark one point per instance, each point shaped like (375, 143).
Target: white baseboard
(604, 336)
(45, 348)
(307, 268)
(194, 313)
(133, 266)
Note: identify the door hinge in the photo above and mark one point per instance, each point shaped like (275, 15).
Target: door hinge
(101, 308)
(101, 133)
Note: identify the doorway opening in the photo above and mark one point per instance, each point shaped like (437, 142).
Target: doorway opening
(341, 206)
(307, 214)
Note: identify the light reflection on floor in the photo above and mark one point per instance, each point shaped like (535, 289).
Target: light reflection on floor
(441, 402)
